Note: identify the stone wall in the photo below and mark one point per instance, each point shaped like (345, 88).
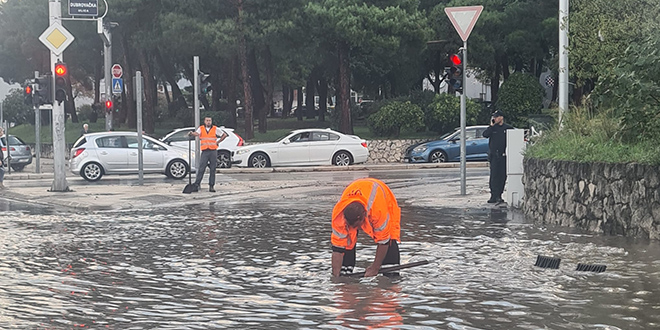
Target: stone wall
(615, 199)
(388, 151)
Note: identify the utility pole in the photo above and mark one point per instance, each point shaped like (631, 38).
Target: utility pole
(196, 105)
(37, 133)
(138, 100)
(58, 123)
(463, 122)
(106, 35)
(563, 60)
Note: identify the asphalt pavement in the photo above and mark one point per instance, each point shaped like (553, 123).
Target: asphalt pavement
(434, 185)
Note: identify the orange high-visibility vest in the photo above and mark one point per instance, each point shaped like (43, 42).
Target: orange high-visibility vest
(383, 221)
(208, 139)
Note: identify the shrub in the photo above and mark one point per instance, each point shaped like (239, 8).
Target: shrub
(86, 112)
(520, 96)
(395, 115)
(444, 114)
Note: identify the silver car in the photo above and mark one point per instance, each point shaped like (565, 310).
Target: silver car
(21, 154)
(97, 154)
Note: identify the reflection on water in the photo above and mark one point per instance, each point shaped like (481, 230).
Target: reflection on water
(267, 266)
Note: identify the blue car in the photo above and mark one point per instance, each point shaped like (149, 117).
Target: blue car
(448, 148)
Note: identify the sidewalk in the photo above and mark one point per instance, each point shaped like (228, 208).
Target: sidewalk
(236, 186)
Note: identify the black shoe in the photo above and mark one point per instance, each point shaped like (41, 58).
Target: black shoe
(195, 187)
(211, 188)
(492, 201)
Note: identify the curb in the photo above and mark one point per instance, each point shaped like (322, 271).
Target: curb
(328, 168)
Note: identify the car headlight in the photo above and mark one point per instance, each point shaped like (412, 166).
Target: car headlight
(421, 148)
(243, 151)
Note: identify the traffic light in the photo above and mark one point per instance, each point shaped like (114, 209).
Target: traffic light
(456, 72)
(43, 90)
(61, 76)
(27, 93)
(116, 102)
(108, 105)
(204, 83)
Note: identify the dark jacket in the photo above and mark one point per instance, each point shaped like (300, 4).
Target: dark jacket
(496, 135)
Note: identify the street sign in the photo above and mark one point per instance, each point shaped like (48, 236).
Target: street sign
(117, 85)
(56, 38)
(83, 8)
(464, 19)
(117, 71)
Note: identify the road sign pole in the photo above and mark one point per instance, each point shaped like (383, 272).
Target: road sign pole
(138, 100)
(563, 60)
(37, 134)
(463, 122)
(196, 105)
(107, 68)
(58, 123)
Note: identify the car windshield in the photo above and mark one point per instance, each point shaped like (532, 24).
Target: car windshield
(283, 137)
(12, 140)
(449, 135)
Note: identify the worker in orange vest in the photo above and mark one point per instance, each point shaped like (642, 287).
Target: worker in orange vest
(370, 205)
(208, 136)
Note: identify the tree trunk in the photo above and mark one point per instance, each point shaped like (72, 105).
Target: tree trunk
(323, 96)
(310, 92)
(149, 101)
(131, 114)
(167, 95)
(247, 90)
(70, 103)
(287, 100)
(168, 71)
(299, 107)
(505, 65)
(257, 90)
(345, 124)
(230, 83)
(270, 84)
(98, 74)
(495, 82)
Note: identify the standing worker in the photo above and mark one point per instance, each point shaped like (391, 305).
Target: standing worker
(496, 134)
(208, 136)
(368, 204)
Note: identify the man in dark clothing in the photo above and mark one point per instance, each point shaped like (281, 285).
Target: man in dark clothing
(496, 135)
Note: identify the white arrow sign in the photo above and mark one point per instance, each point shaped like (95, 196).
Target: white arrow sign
(464, 19)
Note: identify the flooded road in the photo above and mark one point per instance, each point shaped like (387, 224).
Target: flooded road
(257, 266)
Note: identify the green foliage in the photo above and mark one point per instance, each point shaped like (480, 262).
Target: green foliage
(220, 118)
(15, 110)
(444, 114)
(86, 113)
(589, 137)
(520, 96)
(394, 116)
(633, 89)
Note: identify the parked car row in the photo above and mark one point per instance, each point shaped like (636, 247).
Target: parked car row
(97, 154)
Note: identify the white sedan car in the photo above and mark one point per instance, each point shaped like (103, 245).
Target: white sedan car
(97, 154)
(305, 147)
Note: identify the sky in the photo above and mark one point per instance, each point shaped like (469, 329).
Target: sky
(4, 88)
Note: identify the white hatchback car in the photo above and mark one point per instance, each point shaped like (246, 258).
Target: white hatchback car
(97, 154)
(305, 147)
(179, 138)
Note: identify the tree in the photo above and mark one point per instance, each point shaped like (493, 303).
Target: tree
(520, 96)
(15, 110)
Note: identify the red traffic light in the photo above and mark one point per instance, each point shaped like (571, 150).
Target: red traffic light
(108, 104)
(28, 89)
(455, 59)
(60, 69)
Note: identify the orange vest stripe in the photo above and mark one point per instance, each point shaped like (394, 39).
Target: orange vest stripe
(208, 139)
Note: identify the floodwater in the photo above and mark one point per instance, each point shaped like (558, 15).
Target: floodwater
(251, 266)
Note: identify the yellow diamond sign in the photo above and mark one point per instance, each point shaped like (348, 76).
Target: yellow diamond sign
(56, 38)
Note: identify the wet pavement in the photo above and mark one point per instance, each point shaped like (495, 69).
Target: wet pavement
(260, 259)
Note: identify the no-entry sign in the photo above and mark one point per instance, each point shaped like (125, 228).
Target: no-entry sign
(117, 71)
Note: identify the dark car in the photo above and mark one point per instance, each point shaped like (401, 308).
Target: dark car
(20, 152)
(448, 147)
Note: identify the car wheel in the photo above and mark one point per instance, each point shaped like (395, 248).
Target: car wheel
(342, 158)
(92, 172)
(224, 159)
(438, 156)
(18, 168)
(259, 160)
(177, 169)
